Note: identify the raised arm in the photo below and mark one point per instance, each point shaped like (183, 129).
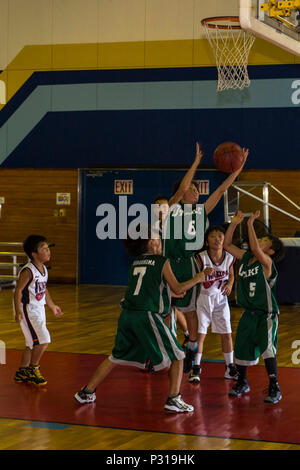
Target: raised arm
(181, 287)
(215, 197)
(188, 177)
(228, 246)
(255, 247)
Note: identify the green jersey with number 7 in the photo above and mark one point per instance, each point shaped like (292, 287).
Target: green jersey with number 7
(147, 288)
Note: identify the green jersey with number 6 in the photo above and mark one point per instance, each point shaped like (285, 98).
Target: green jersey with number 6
(255, 292)
(147, 288)
(184, 229)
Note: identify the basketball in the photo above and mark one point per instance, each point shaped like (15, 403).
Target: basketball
(228, 157)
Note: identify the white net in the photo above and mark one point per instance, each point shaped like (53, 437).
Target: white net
(231, 46)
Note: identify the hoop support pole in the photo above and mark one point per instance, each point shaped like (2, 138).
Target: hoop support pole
(267, 203)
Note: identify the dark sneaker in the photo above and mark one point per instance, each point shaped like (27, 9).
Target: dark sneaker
(189, 359)
(177, 405)
(239, 389)
(22, 375)
(274, 394)
(195, 374)
(231, 372)
(85, 397)
(35, 376)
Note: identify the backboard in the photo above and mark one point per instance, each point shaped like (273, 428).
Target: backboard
(275, 21)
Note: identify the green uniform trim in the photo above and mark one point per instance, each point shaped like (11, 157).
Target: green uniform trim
(255, 292)
(143, 335)
(257, 334)
(257, 331)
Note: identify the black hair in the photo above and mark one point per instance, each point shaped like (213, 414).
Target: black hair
(177, 184)
(139, 246)
(213, 228)
(32, 243)
(277, 246)
(159, 197)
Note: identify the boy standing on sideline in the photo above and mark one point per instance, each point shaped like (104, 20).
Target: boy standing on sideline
(31, 295)
(257, 331)
(212, 303)
(142, 333)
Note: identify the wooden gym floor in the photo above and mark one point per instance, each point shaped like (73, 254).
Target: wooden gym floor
(128, 413)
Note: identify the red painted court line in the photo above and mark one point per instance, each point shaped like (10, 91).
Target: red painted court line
(130, 399)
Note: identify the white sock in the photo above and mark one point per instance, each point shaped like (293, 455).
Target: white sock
(198, 359)
(228, 357)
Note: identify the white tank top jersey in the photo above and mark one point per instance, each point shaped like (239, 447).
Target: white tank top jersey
(215, 283)
(34, 293)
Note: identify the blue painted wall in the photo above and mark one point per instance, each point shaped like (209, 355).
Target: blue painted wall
(90, 118)
(105, 261)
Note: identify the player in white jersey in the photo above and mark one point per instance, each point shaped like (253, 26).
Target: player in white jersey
(30, 297)
(212, 304)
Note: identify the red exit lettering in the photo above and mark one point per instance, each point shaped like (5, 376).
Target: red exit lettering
(203, 186)
(123, 187)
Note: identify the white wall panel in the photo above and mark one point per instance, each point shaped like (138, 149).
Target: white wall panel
(75, 21)
(3, 33)
(122, 21)
(29, 23)
(169, 19)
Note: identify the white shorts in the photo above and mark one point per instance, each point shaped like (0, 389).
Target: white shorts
(214, 310)
(34, 327)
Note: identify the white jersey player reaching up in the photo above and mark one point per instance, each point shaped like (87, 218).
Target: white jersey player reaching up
(212, 303)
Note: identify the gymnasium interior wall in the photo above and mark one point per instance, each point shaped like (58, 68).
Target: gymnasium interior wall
(86, 83)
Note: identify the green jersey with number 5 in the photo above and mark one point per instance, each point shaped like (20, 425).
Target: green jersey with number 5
(184, 229)
(255, 292)
(147, 288)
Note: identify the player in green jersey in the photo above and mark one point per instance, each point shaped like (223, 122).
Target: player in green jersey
(142, 333)
(257, 331)
(183, 236)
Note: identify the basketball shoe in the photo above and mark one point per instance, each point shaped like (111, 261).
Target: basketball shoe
(195, 374)
(239, 389)
(35, 376)
(177, 405)
(274, 394)
(231, 372)
(22, 375)
(84, 396)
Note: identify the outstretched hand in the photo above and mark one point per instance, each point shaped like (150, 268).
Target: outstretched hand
(253, 216)
(199, 153)
(245, 153)
(238, 217)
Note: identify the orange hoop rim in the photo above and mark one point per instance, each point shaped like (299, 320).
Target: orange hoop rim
(233, 19)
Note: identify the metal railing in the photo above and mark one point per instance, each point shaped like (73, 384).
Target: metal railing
(10, 268)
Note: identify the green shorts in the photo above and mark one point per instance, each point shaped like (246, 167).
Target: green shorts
(185, 269)
(143, 335)
(257, 333)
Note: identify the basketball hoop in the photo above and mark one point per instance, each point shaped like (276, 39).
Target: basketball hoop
(231, 46)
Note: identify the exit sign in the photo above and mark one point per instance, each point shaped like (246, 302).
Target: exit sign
(123, 186)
